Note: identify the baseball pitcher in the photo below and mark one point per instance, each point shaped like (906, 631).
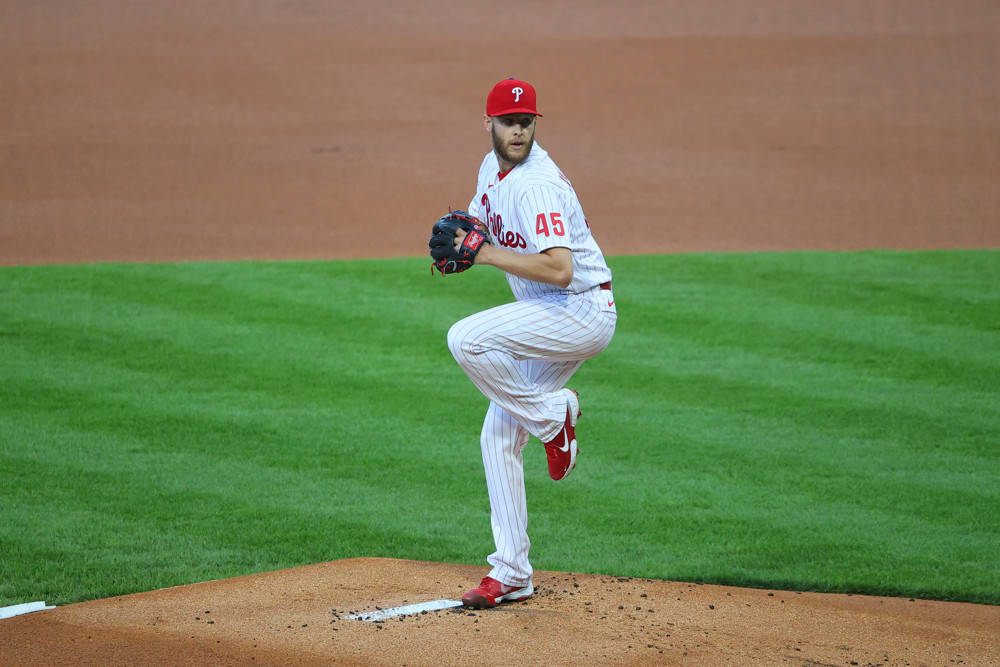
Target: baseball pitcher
(525, 219)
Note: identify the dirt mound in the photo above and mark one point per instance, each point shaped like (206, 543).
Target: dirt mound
(301, 615)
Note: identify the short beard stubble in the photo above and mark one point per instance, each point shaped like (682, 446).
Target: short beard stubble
(499, 148)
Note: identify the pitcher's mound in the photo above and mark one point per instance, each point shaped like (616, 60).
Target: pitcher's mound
(301, 616)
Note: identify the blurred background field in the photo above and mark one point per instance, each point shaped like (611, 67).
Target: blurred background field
(195, 129)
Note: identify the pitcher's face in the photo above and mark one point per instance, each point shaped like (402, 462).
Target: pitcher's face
(513, 136)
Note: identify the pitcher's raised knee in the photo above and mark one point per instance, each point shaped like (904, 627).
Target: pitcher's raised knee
(461, 342)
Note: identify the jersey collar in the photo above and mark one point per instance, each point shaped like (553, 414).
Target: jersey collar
(536, 152)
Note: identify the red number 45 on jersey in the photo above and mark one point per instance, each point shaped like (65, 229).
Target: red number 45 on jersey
(542, 225)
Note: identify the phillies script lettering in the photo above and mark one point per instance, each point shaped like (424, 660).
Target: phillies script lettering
(507, 239)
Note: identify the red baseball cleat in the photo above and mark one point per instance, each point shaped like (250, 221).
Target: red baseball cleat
(491, 593)
(562, 449)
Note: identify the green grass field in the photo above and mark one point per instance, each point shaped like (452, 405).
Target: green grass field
(810, 421)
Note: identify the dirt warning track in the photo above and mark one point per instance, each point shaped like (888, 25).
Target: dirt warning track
(152, 131)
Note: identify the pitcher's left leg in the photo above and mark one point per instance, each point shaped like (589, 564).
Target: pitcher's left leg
(503, 441)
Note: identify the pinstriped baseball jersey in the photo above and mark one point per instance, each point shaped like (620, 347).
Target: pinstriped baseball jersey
(533, 208)
(521, 355)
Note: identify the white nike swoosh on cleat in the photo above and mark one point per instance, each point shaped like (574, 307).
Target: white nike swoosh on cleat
(565, 447)
(518, 594)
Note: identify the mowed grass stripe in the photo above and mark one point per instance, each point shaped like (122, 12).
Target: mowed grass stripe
(802, 420)
(790, 384)
(150, 532)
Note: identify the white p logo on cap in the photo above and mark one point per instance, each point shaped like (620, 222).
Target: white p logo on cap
(511, 96)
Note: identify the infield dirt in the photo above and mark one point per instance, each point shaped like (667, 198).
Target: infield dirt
(153, 131)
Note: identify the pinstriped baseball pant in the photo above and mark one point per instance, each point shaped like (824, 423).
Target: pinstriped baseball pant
(520, 355)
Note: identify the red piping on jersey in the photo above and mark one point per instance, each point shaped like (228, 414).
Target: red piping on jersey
(502, 174)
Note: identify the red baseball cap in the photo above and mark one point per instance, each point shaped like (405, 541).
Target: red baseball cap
(511, 96)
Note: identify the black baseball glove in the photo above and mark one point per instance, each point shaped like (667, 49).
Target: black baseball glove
(448, 259)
